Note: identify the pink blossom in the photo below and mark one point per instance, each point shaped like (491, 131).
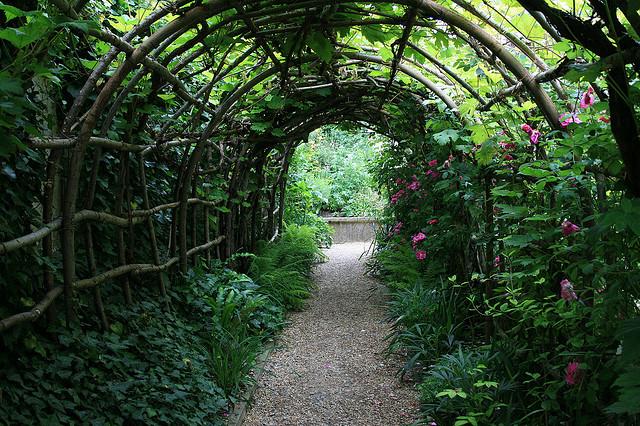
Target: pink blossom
(497, 261)
(587, 98)
(421, 255)
(534, 136)
(526, 128)
(414, 186)
(419, 237)
(395, 197)
(400, 181)
(566, 291)
(508, 157)
(571, 373)
(433, 163)
(507, 145)
(433, 174)
(604, 119)
(568, 118)
(433, 222)
(569, 228)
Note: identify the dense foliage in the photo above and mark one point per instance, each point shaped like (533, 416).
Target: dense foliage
(184, 361)
(329, 175)
(525, 325)
(136, 136)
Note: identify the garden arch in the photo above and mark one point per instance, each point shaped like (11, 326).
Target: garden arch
(287, 49)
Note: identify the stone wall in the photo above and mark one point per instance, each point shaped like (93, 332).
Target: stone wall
(351, 229)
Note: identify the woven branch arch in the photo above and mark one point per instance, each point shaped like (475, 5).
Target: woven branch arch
(194, 50)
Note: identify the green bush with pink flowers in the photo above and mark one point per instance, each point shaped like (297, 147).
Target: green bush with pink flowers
(523, 249)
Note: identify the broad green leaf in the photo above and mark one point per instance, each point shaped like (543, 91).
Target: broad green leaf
(10, 85)
(320, 45)
(486, 152)
(12, 12)
(530, 171)
(446, 136)
(519, 240)
(275, 101)
(374, 33)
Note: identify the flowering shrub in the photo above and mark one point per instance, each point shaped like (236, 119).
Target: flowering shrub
(480, 230)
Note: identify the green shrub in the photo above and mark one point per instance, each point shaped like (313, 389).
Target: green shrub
(241, 319)
(151, 367)
(282, 268)
(461, 389)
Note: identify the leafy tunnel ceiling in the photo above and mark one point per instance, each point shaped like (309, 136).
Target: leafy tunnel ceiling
(250, 78)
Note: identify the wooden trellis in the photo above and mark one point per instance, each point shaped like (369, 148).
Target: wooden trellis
(209, 140)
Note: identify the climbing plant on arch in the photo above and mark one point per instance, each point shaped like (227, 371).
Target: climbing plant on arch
(137, 136)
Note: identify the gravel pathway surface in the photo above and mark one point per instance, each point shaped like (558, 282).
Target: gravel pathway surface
(328, 368)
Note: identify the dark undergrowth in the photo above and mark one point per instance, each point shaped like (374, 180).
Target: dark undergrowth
(181, 362)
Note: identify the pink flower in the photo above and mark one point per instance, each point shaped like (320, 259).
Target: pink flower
(568, 118)
(507, 145)
(433, 163)
(400, 181)
(534, 136)
(526, 128)
(569, 228)
(566, 291)
(497, 261)
(508, 157)
(395, 197)
(604, 119)
(419, 237)
(587, 98)
(414, 186)
(421, 255)
(433, 221)
(571, 373)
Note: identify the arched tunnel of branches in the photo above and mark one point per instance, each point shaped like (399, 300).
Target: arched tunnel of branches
(138, 137)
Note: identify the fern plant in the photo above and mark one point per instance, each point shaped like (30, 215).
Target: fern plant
(282, 269)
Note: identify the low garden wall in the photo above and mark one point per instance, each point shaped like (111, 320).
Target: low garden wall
(352, 229)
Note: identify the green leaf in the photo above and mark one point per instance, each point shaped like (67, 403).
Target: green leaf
(374, 33)
(518, 240)
(486, 152)
(82, 25)
(9, 144)
(586, 72)
(260, 126)
(530, 171)
(36, 29)
(12, 12)
(446, 136)
(275, 102)
(321, 46)
(10, 85)
(479, 133)
(496, 192)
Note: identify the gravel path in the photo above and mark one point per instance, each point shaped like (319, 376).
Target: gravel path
(329, 368)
